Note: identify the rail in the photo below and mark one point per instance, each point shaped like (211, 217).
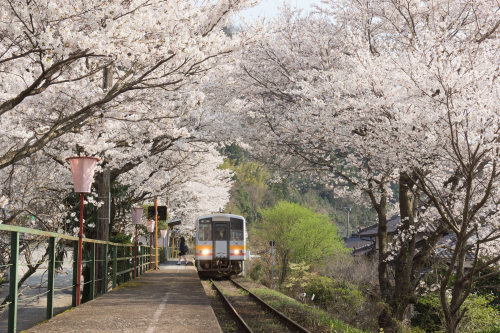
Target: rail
(279, 314)
(116, 265)
(241, 321)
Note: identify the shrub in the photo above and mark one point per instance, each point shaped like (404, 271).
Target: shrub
(336, 296)
(298, 278)
(255, 270)
(428, 314)
(481, 315)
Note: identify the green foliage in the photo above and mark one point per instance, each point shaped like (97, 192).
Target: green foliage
(298, 277)
(481, 315)
(338, 296)
(234, 153)
(120, 238)
(256, 269)
(297, 230)
(315, 319)
(250, 192)
(489, 286)
(253, 191)
(428, 314)
(299, 233)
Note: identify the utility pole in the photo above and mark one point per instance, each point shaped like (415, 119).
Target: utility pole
(348, 209)
(272, 264)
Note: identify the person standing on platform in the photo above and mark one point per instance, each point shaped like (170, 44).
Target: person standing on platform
(183, 249)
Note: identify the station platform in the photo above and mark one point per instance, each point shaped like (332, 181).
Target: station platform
(170, 299)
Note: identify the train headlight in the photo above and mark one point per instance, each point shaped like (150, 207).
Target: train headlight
(205, 252)
(236, 252)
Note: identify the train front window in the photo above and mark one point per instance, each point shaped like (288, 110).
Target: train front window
(205, 232)
(236, 229)
(220, 232)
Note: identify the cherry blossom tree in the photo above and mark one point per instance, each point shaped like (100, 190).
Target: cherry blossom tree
(53, 54)
(119, 80)
(376, 92)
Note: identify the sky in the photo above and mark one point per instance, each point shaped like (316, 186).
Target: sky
(270, 8)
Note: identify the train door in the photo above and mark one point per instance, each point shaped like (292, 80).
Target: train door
(221, 240)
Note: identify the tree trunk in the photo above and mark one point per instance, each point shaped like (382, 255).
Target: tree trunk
(460, 290)
(284, 267)
(403, 282)
(385, 318)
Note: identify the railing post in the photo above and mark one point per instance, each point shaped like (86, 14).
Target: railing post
(50, 282)
(130, 261)
(75, 272)
(92, 271)
(136, 274)
(127, 263)
(105, 270)
(115, 266)
(121, 278)
(14, 258)
(124, 265)
(150, 250)
(129, 266)
(140, 260)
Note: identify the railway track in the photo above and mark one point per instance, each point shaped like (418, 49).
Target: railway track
(252, 313)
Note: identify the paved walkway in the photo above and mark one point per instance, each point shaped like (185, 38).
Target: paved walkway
(167, 300)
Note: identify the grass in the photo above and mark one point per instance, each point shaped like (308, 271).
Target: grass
(313, 318)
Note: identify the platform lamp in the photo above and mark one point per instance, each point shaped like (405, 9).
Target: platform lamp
(83, 169)
(164, 236)
(150, 225)
(136, 220)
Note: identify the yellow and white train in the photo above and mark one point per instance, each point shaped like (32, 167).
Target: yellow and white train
(220, 241)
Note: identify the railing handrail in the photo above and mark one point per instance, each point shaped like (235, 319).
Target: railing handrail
(121, 267)
(9, 227)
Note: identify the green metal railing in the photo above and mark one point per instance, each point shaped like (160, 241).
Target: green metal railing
(116, 262)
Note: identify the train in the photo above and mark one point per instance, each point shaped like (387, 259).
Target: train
(220, 244)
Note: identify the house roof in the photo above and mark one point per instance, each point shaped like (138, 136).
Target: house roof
(371, 231)
(354, 242)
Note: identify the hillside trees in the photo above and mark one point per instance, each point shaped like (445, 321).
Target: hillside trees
(259, 185)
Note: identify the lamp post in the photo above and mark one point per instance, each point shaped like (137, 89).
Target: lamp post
(136, 219)
(348, 209)
(150, 225)
(164, 236)
(156, 234)
(82, 169)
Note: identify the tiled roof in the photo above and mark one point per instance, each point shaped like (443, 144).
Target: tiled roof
(392, 225)
(356, 242)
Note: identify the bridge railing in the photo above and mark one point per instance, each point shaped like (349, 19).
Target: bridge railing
(113, 263)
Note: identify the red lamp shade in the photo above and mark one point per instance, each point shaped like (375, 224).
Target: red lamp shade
(83, 169)
(163, 233)
(137, 215)
(150, 225)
